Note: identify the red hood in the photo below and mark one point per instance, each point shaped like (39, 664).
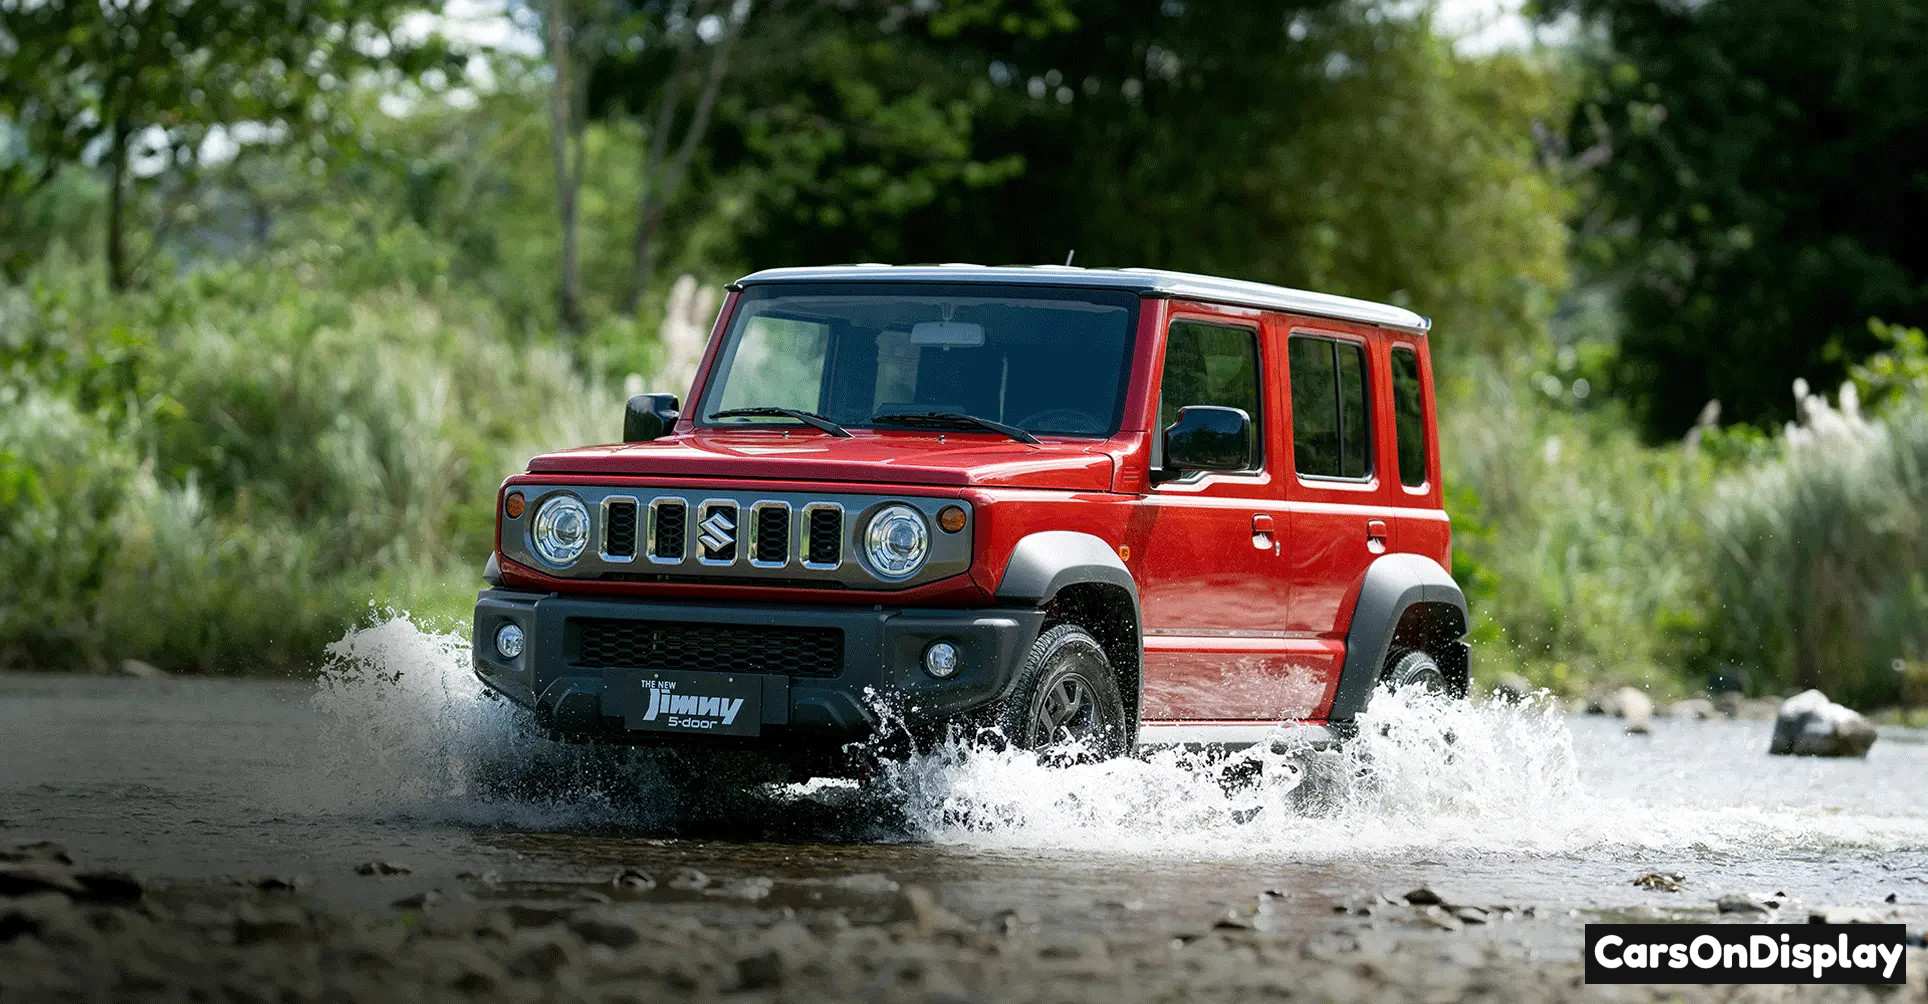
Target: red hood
(962, 459)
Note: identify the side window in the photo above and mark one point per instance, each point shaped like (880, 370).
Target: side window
(1409, 416)
(1213, 364)
(1331, 437)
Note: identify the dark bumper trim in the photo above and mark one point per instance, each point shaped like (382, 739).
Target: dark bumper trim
(883, 653)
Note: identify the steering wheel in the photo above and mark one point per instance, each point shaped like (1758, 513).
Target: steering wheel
(1064, 419)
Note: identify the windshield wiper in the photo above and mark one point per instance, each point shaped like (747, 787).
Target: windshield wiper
(951, 420)
(809, 418)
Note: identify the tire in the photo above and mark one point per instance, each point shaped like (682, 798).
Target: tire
(1065, 689)
(1413, 667)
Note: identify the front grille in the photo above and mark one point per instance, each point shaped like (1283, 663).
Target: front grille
(619, 528)
(771, 543)
(714, 648)
(668, 517)
(826, 537)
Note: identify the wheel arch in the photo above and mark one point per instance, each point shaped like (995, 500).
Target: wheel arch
(1077, 578)
(1406, 600)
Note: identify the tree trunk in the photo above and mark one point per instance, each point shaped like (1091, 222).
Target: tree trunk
(565, 144)
(117, 268)
(661, 179)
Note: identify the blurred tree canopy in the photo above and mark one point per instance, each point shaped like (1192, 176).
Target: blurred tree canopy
(1760, 190)
(148, 92)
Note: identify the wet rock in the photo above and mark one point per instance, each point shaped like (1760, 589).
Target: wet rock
(1012, 922)
(523, 916)
(688, 880)
(1694, 708)
(919, 908)
(1512, 687)
(1735, 903)
(1235, 920)
(420, 901)
(35, 878)
(279, 883)
(486, 877)
(634, 880)
(1438, 916)
(604, 931)
(1660, 881)
(760, 970)
(1846, 915)
(255, 924)
(1811, 725)
(39, 851)
(110, 887)
(1634, 707)
(752, 888)
(1471, 915)
(141, 670)
(1424, 896)
(382, 869)
(539, 959)
(871, 883)
(1891, 898)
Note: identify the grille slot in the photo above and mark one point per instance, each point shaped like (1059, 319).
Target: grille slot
(823, 547)
(713, 648)
(770, 534)
(668, 526)
(619, 528)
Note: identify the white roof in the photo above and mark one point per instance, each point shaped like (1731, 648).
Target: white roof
(1145, 281)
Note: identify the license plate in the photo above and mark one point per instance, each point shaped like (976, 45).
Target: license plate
(714, 704)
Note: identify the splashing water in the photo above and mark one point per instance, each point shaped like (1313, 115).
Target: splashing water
(409, 730)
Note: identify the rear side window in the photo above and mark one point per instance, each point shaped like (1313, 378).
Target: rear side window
(1330, 433)
(1409, 417)
(1213, 364)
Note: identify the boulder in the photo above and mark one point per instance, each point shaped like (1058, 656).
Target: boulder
(1695, 708)
(142, 670)
(1811, 725)
(1635, 708)
(1512, 687)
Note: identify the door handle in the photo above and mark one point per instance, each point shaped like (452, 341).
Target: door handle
(1261, 523)
(1376, 535)
(1264, 538)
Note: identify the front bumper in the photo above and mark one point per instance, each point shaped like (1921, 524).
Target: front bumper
(881, 673)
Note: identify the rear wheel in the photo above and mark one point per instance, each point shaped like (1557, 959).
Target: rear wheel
(1065, 696)
(1413, 668)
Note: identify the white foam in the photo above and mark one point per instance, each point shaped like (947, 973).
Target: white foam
(408, 730)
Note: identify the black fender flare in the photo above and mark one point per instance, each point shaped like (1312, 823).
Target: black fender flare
(1044, 563)
(1394, 584)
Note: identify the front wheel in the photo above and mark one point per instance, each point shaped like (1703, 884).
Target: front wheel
(1065, 696)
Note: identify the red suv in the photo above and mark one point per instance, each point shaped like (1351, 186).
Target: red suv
(1127, 507)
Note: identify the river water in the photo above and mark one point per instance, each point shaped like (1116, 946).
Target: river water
(396, 754)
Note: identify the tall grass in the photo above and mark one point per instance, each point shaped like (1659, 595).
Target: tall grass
(219, 472)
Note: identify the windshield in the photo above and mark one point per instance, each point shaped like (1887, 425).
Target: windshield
(1047, 361)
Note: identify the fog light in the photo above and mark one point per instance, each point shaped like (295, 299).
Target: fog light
(940, 659)
(508, 641)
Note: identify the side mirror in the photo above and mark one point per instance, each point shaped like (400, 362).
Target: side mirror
(1209, 438)
(649, 416)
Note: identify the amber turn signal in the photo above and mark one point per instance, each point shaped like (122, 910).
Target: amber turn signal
(514, 504)
(950, 519)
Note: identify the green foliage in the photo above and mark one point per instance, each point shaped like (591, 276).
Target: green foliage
(1819, 554)
(215, 474)
(1751, 197)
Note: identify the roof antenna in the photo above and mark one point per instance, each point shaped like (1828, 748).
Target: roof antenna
(1068, 255)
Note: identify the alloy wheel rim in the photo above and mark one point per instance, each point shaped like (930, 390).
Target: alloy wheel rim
(1066, 710)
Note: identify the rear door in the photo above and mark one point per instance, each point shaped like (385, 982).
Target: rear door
(1213, 590)
(1334, 485)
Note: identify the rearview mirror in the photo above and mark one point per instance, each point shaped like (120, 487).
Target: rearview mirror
(947, 334)
(1209, 438)
(649, 416)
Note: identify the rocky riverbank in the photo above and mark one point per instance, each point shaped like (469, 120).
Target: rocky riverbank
(70, 933)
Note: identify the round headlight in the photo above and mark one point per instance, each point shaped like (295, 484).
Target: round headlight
(896, 542)
(561, 530)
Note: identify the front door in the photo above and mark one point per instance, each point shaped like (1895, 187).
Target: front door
(1214, 592)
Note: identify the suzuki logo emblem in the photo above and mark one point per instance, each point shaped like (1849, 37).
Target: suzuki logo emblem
(719, 531)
